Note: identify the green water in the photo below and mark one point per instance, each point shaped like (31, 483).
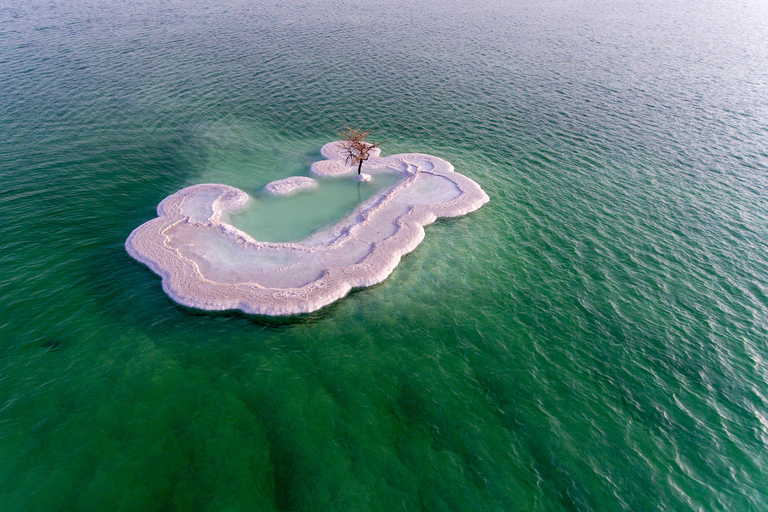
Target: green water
(271, 218)
(594, 338)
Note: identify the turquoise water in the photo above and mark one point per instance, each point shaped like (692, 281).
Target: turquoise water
(594, 338)
(274, 218)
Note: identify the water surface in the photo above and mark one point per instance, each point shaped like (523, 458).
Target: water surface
(290, 218)
(594, 338)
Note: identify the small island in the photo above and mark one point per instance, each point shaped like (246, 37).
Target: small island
(208, 264)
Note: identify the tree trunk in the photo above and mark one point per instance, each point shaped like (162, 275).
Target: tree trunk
(360, 166)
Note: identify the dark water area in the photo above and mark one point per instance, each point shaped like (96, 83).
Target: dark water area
(594, 338)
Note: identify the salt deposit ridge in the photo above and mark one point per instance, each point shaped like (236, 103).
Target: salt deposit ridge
(208, 264)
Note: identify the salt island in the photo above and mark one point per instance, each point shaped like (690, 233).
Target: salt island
(209, 264)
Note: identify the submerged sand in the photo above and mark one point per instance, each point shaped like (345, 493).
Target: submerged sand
(208, 264)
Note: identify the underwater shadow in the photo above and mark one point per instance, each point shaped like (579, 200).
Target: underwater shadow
(266, 321)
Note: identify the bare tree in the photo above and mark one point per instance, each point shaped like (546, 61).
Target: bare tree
(355, 148)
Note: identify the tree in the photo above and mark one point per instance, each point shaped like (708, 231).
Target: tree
(355, 148)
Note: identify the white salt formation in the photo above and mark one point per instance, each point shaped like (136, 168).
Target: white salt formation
(208, 264)
(290, 185)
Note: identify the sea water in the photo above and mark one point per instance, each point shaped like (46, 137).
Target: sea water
(594, 338)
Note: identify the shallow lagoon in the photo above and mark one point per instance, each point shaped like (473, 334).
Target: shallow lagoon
(270, 218)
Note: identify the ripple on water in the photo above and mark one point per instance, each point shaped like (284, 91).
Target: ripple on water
(595, 333)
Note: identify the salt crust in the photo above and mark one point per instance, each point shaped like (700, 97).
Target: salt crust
(290, 185)
(208, 264)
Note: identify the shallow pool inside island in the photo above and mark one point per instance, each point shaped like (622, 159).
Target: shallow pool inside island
(274, 218)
